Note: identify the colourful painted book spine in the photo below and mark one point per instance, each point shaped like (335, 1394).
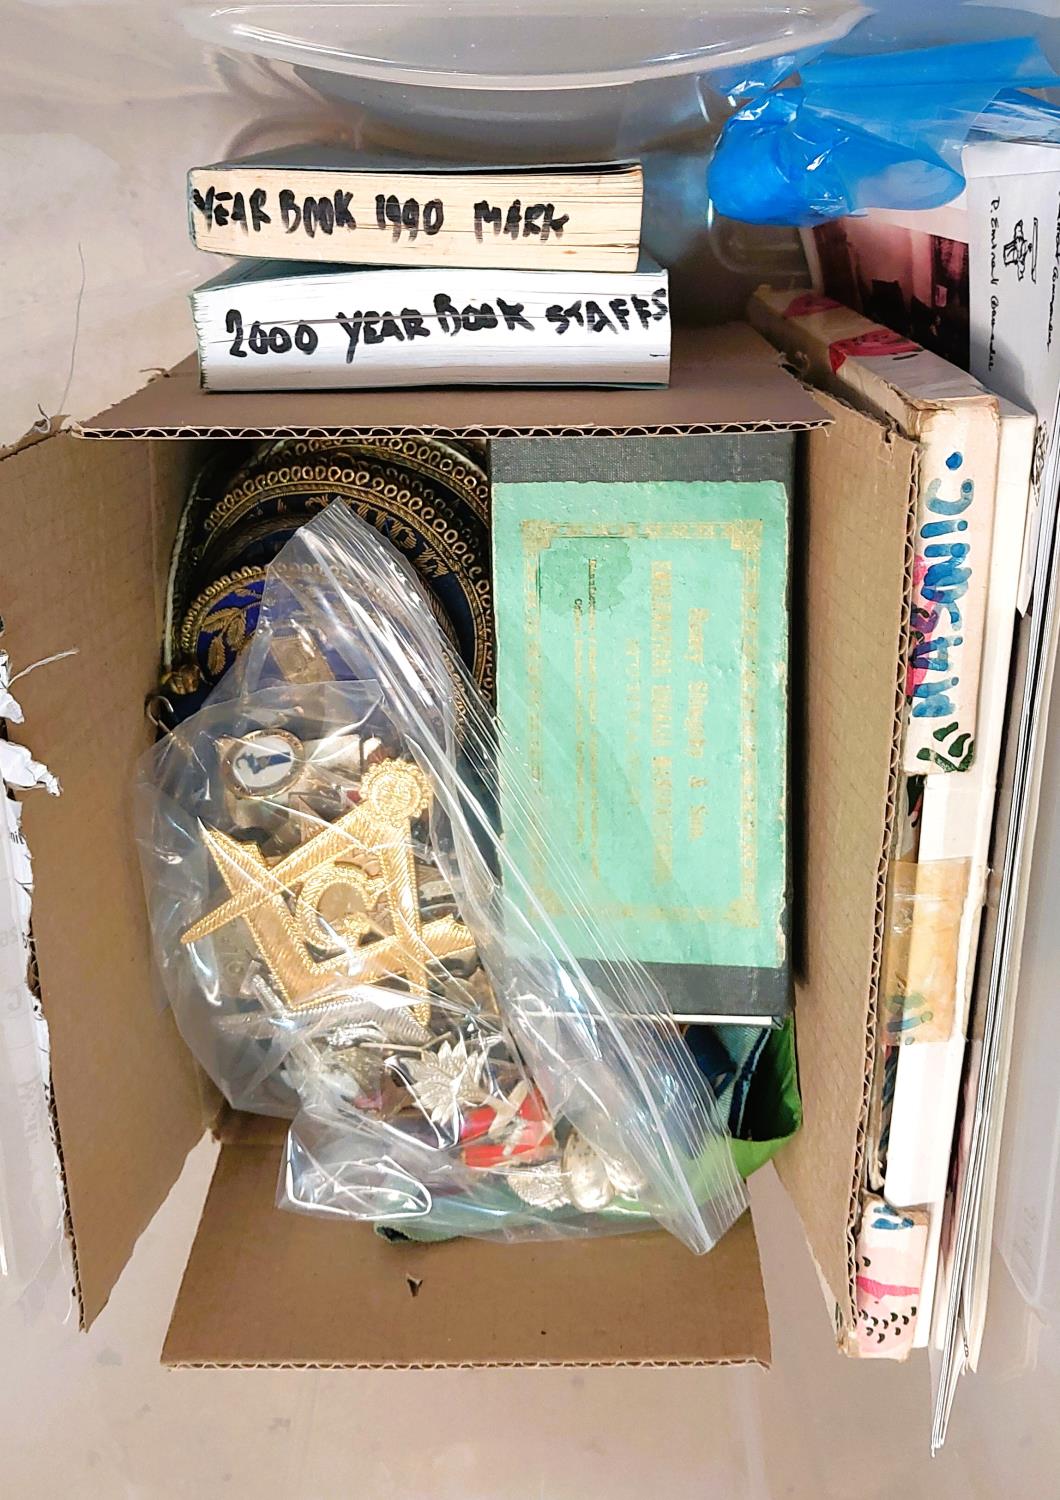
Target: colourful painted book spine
(956, 424)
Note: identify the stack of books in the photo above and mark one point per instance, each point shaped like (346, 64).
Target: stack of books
(355, 275)
(975, 456)
(975, 282)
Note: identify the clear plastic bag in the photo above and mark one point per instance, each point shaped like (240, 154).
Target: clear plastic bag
(346, 936)
(489, 80)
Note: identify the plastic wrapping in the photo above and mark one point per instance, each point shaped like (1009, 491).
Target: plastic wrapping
(1016, 115)
(97, 266)
(345, 936)
(483, 81)
(871, 132)
(490, 79)
(925, 912)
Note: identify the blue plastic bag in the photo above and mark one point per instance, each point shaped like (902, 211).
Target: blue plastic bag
(875, 132)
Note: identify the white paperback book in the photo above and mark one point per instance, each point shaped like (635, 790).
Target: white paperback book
(274, 325)
(982, 270)
(942, 916)
(957, 820)
(981, 274)
(319, 203)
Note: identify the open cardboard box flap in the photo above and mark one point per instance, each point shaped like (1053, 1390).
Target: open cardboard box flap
(355, 1299)
(718, 383)
(853, 583)
(84, 559)
(88, 530)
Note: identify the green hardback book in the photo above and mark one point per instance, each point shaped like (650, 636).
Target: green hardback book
(642, 638)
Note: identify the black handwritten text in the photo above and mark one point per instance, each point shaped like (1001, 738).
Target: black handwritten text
(536, 220)
(221, 208)
(614, 317)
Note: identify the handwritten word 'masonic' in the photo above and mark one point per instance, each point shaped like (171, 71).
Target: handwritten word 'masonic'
(937, 620)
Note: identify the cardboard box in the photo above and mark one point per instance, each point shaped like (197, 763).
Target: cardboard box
(88, 525)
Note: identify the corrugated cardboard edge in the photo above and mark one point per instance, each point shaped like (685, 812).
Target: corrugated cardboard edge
(467, 1364)
(846, 1307)
(122, 1136)
(829, 1208)
(434, 429)
(45, 428)
(640, 1299)
(722, 380)
(847, 1310)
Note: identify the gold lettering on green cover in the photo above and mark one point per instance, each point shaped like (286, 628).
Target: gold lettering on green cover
(642, 677)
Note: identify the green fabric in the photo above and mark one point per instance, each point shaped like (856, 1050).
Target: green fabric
(774, 1107)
